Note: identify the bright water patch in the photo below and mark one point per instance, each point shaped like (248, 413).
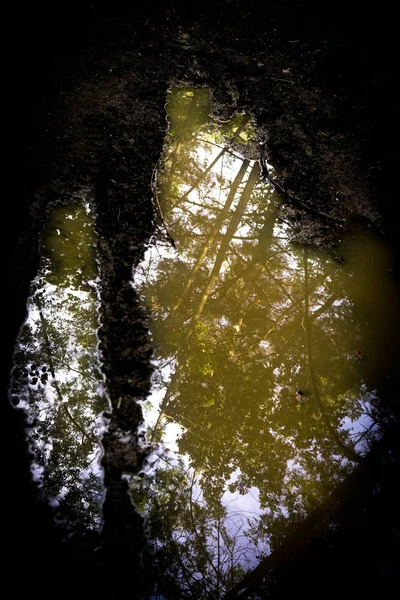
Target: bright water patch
(57, 378)
(268, 359)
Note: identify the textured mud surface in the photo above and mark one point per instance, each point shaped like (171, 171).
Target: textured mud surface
(90, 115)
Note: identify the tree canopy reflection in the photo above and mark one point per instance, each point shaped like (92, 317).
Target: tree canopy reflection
(57, 378)
(268, 355)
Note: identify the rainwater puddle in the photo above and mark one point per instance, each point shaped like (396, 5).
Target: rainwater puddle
(268, 360)
(57, 377)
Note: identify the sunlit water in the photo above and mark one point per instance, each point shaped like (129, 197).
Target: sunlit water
(57, 377)
(268, 359)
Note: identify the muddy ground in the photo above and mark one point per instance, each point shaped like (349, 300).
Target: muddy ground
(88, 88)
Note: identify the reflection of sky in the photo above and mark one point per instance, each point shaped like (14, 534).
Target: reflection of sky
(57, 306)
(244, 504)
(365, 423)
(240, 506)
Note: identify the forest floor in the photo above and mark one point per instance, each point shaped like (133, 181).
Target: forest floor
(90, 89)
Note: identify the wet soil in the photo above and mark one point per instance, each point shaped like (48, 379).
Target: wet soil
(89, 88)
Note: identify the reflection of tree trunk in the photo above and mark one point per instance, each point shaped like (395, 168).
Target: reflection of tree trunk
(348, 452)
(254, 174)
(226, 240)
(258, 259)
(367, 472)
(215, 229)
(168, 392)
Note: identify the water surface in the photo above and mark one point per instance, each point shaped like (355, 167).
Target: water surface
(269, 358)
(57, 377)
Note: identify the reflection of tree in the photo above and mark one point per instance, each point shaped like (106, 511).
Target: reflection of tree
(57, 378)
(247, 320)
(215, 229)
(344, 508)
(193, 549)
(348, 452)
(224, 245)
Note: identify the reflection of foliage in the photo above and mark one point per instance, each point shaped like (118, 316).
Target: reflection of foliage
(248, 320)
(57, 378)
(194, 554)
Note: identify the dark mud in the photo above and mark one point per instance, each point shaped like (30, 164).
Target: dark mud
(90, 88)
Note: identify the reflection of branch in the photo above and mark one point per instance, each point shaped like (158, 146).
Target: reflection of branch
(64, 364)
(218, 205)
(290, 197)
(181, 139)
(200, 541)
(272, 328)
(186, 125)
(200, 178)
(47, 344)
(186, 575)
(215, 230)
(327, 304)
(256, 271)
(168, 393)
(77, 425)
(348, 452)
(228, 283)
(260, 255)
(281, 287)
(242, 125)
(310, 529)
(233, 224)
(227, 149)
(366, 431)
(169, 361)
(159, 210)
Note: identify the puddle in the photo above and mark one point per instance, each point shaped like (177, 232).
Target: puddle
(57, 378)
(268, 359)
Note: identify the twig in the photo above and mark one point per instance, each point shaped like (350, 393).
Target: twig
(290, 197)
(158, 206)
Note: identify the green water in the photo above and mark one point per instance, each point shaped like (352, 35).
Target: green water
(269, 361)
(269, 358)
(57, 377)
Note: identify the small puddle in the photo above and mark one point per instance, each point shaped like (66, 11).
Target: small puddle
(57, 378)
(268, 359)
